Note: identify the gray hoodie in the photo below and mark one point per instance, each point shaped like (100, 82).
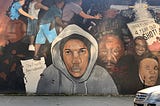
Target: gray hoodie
(56, 79)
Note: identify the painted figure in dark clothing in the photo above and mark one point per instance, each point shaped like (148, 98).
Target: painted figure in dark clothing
(121, 67)
(11, 73)
(113, 22)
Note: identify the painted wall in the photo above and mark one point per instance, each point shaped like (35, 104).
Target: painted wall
(118, 54)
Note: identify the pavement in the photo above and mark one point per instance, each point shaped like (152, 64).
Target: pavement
(66, 100)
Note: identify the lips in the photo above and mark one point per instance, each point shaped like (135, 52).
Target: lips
(151, 81)
(109, 65)
(152, 78)
(140, 52)
(76, 69)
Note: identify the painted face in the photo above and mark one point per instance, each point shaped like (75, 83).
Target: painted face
(61, 4)
(110, 50)
(80, 2)
(76, 57)
(140, 47)
(148, 71)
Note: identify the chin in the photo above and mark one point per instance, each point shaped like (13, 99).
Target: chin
(77, 76)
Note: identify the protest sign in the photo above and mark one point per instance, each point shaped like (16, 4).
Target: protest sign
(148, 29)
(32, 70)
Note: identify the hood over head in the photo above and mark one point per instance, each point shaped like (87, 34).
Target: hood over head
(57, 60)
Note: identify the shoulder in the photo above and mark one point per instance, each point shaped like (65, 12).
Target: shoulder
(100, 71)
(17, 5)
(50, 71)
(56, 10)
(102, 81)
(99, 68)
(49, 81)
(126, 60)
(72, 5)
(76, 6)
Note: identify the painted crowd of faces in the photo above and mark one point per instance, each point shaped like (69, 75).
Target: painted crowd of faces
(137, 69)
(128, 60)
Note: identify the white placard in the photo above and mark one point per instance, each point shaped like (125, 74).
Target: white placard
(32, 70)
(146, 28)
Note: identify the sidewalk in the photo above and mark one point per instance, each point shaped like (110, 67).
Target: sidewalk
(66, 100)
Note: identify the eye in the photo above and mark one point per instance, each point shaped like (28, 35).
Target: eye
(116, 51)
(68, 52)
(103, 52)
(82, 51)
(156, 68)
(140, 46)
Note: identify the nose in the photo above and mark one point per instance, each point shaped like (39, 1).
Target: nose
(76, 58)
(141, 48)
(110, 57)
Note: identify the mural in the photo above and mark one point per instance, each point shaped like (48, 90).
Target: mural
(79, 47)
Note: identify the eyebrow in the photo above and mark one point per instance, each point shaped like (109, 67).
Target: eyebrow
(83, 48)
(80, 48)
(67, 49)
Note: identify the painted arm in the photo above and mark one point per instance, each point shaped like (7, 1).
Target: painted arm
(59, 22)
(21, 11)
(86, 16)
